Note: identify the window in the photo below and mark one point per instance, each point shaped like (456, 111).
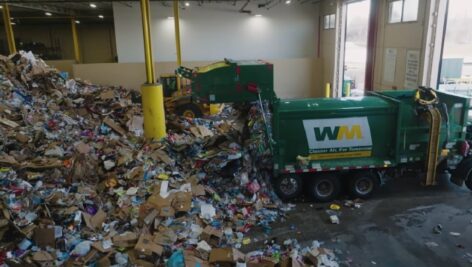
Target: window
(329, 21)
(403, 11)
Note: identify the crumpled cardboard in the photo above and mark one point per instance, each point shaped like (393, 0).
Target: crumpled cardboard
(125, 240)
(226, 255)
(116, 127)
(45, 236)
(192, 261)
(163, 205)
(182, 201)
(43, 258)
(95, 222)
(147, 246)
(212, 235)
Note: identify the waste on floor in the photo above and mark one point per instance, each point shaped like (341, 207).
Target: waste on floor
(81, 186)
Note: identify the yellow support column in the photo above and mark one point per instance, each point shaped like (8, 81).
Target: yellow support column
(328, 90)
(75, 41)
(151, 92)
(9, 29)
(177, 43)
(348, 89)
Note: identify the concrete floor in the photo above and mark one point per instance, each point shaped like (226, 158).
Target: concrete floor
(391, 229)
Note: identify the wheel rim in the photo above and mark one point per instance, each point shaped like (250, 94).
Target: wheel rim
(189, 114)
(364, 186)
(324, 188)
(288, 186)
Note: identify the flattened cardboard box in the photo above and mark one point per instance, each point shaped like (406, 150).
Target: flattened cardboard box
(44, 236)
(192, 261)
(163, 205)
(315, 253)
(125, 240)
(147, 246)
(95, 222)
(182, 201)
(263, 262)
(212, 235)
(228, 255)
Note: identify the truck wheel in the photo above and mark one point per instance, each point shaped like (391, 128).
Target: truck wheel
(325, 187)
(468, 182)
(363, 184)
(463, 173)
(189, 110)
(288, 186)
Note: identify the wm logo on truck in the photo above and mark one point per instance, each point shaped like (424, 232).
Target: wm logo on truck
(338, 132)
(338, 137)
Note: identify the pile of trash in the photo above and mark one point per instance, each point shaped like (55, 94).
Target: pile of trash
(80, 185)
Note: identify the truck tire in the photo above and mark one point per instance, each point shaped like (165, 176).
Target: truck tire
(288, 186)
(363, 184)
(463, 173)
(324, 187)
(190, 110)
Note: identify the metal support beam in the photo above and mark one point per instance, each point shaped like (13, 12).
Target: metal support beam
(75, 41)
(177, 42)
(148, 59)
(9, 29)
(151, 92)
(338, 77)
(375, 9)
(434, 43)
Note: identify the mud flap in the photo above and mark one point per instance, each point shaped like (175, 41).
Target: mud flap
(462, 171)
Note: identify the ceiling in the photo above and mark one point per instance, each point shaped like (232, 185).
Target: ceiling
(33, 11)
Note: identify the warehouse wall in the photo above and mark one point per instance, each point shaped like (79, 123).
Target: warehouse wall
(402, 37)
(97, 41)
(328, 42)
(293, 77)
(284, 31)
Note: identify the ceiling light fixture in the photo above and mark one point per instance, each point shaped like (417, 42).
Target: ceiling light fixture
(77, 22)
(170, 17)
(187, 4)
(1, 7)
(48, 14)
(258, 15)
(92, 5)
(100, 16)
(12, 23)
(288, 2)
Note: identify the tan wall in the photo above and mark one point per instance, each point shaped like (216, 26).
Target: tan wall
(62, 65)
(403, 37)
(96, 41)
(293, 77)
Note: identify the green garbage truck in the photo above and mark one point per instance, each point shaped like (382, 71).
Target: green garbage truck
(324, 144)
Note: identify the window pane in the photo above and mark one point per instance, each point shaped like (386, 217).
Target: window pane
(395, 11)
(410, 10)
(332, 21)
(326, 22)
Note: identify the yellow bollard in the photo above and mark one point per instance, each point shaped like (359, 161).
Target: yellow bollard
(153, 109)
(328, 90)
(348, 89)
(215, 109)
